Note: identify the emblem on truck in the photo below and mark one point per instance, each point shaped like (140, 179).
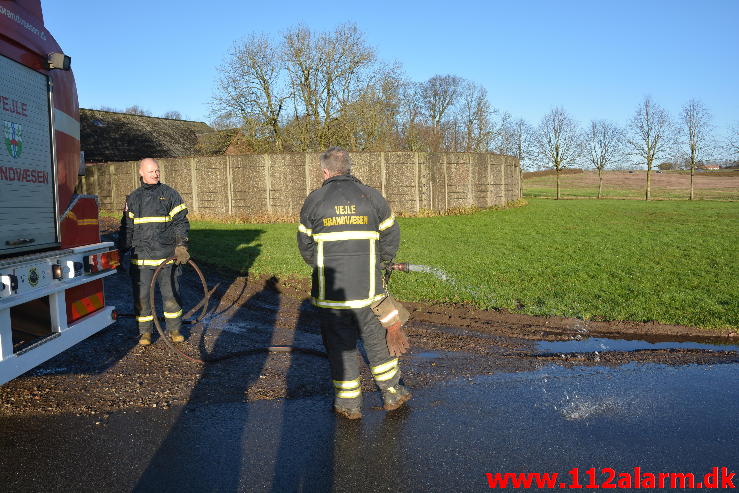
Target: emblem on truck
(13, 138)
(33, 277)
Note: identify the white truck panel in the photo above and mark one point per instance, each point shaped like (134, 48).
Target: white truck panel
(32, 278)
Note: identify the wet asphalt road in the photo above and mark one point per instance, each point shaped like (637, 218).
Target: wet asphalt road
(653, 416)
(660, 418)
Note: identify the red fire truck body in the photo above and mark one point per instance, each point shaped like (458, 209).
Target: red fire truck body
(52, 262)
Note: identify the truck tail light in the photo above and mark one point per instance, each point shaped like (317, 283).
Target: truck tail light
(102, 261)
(110, 260)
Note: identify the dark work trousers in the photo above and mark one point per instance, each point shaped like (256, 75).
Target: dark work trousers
(340, 330)
(168, 281)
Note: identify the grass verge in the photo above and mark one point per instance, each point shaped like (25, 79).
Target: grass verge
(669, 262)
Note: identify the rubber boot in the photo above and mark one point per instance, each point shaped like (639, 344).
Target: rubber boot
(348, 413)
(145, 339)
(395, 396)
(176, 336)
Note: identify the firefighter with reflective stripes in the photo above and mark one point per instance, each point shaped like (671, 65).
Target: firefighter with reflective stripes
(155, 227)
(348, 233)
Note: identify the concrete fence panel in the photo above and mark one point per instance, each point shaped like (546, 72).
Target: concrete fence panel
(277, 184)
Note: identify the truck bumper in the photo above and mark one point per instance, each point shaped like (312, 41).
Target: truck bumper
(20, 362)
(35, 288)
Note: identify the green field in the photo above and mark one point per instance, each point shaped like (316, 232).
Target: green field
(670, 262)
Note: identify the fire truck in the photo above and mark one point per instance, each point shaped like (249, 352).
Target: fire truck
(52, 261)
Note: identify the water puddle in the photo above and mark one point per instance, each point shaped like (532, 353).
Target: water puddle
(428, 355)
(576, 409)
(38, 372)
(599, 344)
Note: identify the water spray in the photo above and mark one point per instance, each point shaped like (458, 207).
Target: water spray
(405, 267)
(439, 274)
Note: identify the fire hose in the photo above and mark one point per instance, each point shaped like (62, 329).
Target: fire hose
(204, 303)
(203, 306)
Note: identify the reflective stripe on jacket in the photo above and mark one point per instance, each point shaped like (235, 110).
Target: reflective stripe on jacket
(346, 232)
(155, 221)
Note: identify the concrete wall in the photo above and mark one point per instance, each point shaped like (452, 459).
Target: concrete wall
(277, 184)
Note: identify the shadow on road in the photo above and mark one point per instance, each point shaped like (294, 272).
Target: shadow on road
(305, 454)
(203, 449)
(221, 441)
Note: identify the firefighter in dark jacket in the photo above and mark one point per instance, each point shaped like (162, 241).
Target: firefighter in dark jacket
(155, 227)
(348, 233)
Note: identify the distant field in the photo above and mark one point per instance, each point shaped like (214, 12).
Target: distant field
(722, 185)
(672, 262)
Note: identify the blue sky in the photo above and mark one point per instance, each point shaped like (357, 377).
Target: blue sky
(597, 59)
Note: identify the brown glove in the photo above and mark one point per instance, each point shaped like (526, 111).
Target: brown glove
(182, 254)
(397, 340)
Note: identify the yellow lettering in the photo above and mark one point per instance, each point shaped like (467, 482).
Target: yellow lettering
(339, 220)
(345, 209)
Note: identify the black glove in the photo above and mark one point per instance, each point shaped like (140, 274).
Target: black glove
(386, 271)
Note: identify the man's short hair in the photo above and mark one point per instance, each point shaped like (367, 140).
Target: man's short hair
(337, 161)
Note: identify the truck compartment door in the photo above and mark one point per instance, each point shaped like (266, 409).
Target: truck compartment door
(27, 208)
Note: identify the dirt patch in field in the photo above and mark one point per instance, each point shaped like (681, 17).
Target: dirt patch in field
(635, 180)
(110, 372)
(672, 181)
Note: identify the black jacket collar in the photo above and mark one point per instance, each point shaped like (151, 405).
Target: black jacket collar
(341, 178)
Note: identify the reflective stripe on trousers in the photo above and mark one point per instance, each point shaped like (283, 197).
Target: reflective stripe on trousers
(348, 389)
(168, 282)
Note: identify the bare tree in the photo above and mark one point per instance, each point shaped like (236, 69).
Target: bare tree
(108, 108)
(252, 84)
(732, 144)
(411, 125)
(327, 71)
(370, 121)
(224, 121)
(137, 110)
(649, 135)
(308, 89)
(438, 95)
(604, 140)
(173, 115)
(558, 141)
(516, 137)
(696, 121)
(476, 116)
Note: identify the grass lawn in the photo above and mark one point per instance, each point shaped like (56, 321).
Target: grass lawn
(671, 262)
